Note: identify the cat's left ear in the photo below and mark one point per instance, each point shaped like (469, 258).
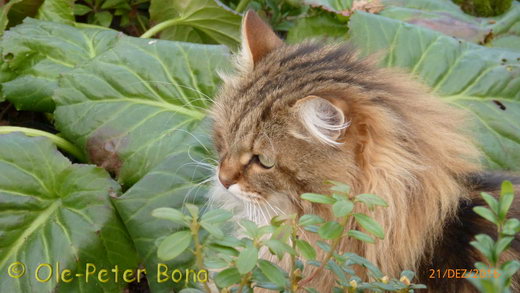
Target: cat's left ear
(258, 39)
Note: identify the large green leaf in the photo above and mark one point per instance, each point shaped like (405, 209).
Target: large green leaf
(484, 81)
(197, 21)
(336, 6)
(57, 213)
(57, 11)
(4, 10)
(317, 26)
(445, 16)
(37, 52)
(136, 104)
(171, 184)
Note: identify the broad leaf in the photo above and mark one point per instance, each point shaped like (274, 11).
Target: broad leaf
(227, 277)
(4, 20)
(52, 211)
(306, 250)
(174, 245)
(37, 52)
(318, 198)
(484, 81)
(140, 102)
(171, 184)
(446, 17)
(336, 6)
(57, 11)
(197, 21)
(246, 260)
(272, 272)
(370, 225)
(330, 230)
(317, 26)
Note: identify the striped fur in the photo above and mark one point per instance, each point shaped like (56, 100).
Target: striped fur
(402, 144)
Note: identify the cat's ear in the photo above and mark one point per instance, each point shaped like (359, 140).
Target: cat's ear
(258, 39)
(322, 119)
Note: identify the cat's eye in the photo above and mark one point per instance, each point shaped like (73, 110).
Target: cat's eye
(265, 161)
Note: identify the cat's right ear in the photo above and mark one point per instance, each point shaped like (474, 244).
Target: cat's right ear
(321, 119)
(258, 39)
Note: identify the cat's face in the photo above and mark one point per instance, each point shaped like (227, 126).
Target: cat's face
(275, 133)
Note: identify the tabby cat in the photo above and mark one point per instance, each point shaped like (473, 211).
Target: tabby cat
(293, 116)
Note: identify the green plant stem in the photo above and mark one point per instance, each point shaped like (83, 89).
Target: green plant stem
(294, 281)
(58, 141)
(242, 5)
(161, 26)
(199, 258)
(244, 281)
(329, 255)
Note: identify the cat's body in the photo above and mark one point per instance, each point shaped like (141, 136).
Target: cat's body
(296, 116)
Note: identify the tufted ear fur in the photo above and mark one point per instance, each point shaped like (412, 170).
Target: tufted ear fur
(323, 120)
(257, 38)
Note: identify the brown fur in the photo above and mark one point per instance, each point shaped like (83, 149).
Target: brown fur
(402, 144)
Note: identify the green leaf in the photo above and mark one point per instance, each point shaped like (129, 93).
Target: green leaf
(330, 230)
(212, 229)
(339, 186)
(484, 243)
(306, 220)
(173, 245)
(318, 198)
(171, 184)
(80, 9)
(335, 6)
(191, 290)
(370, 225)
(247, 260)
(40, 52)
(54, 211)
(317, 26)
(507, 194)
(360, 236)
(371, 200)
(170, 214)
(139, 103)
(486, 214)
(306, 250)
(503, 244)
(272, 272)
(4, 20)
(193, 210)
(447, 18)
(341, 208)
(511, 227)
(57, 11)
(198, 21)
(356, 259)
(250, 227)
(408, 274)
(103, 18)
(279, 248)
(227, 277)
(216, 216)
(481, 80)
(491, 201)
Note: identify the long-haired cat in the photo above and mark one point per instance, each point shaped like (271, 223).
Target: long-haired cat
(294, 116)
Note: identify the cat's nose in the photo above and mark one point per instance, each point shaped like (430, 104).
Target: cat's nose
(228, 173)
(225, 181)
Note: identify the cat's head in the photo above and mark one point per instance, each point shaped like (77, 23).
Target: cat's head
(294, 116)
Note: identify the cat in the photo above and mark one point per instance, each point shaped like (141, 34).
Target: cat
(293, 116)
